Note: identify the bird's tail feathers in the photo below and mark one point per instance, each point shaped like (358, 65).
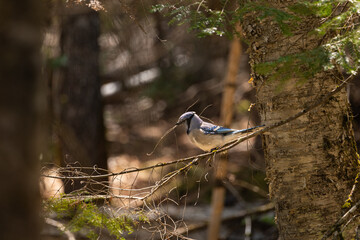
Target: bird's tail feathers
(250, 130)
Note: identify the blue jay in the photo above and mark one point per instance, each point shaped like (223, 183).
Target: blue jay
(208, 136)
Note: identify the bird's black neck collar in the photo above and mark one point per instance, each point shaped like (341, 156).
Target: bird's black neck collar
(188, 121)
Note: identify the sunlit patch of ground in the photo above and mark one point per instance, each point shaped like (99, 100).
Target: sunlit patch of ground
(135, 184)
(51, 187)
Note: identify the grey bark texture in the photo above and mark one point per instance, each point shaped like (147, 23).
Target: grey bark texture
(20, 108)
(311, 162)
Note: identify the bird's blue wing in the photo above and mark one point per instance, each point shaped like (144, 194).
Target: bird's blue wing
(213, 129)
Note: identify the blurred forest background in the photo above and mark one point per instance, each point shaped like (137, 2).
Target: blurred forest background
(116, 78)
(148, 73)
(127, 74)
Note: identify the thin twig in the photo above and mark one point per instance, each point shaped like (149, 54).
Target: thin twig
(61, 227)
(210, 105)
(157, 186)
(101, 196)
(228, 185)
(162, 137)
(168, 177)
(251, 187)
(187, 109)
(126, 171)
(198, 8)
(341, 221)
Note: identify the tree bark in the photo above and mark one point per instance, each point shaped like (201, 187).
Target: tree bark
(20, 105)
(311, 161)
(78, 105)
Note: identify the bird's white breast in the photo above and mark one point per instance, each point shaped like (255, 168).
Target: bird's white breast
(206, 142)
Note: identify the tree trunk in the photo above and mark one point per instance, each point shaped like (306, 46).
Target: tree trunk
(311, 161)
(78, 101)
(20, 105)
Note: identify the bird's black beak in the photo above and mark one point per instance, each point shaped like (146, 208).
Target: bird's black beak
(179, 122)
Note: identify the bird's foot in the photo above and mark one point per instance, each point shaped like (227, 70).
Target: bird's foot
(209, 161)
(214, 149)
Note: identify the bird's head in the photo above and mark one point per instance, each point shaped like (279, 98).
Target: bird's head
(186, 117)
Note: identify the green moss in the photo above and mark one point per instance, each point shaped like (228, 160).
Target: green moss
(302, 66)
(347, 204)
(87, 216)
(339, 49)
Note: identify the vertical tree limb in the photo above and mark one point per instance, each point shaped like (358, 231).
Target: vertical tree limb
(226, 115)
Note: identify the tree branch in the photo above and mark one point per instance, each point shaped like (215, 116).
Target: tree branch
(241, 214)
